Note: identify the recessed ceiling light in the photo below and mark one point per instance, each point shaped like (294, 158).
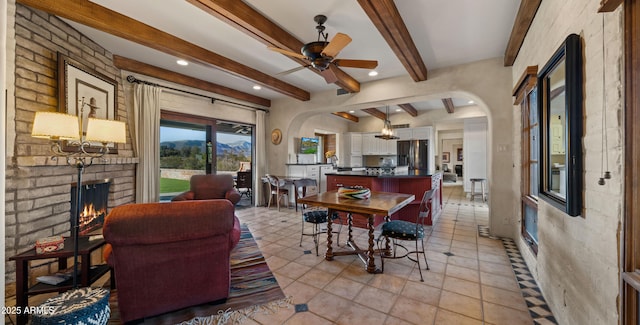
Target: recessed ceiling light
(352, 112)
(257, 87)
(471, 102)
(398, 110)
(373, 73)
(182, 62)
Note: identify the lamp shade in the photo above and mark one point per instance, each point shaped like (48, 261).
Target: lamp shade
(106, 131)
(53, 125)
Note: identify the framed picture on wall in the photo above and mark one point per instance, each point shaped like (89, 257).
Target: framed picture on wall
(86, 93)
(445, 157)
(459, 154)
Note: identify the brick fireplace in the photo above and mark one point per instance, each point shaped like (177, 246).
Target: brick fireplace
(38, 203)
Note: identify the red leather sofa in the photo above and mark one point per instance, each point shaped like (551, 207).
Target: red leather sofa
(167, 256)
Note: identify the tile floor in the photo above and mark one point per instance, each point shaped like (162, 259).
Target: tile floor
(470, 281)
(471, 278)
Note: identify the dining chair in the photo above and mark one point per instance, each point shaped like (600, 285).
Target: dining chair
(278, 190)
(313, 215)
(244, 184)
(398, 231)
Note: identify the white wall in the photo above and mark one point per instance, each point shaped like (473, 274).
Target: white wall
(577, 262)
(474, 151)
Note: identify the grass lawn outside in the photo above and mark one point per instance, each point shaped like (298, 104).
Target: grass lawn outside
(172, 185)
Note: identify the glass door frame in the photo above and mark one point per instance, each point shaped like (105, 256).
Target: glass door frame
(210, 127)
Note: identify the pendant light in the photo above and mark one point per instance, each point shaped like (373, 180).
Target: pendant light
(387, 131)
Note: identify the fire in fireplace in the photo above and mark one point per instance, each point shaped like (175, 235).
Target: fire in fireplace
(95, 198)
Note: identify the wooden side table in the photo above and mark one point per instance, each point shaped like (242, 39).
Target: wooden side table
(88, 274)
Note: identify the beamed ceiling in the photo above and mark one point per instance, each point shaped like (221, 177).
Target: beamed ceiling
(225, 41)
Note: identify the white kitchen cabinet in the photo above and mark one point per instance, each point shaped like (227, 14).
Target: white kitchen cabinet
(392, 147)
(403, 134)
(369, 144)
(356, 161)
(421, 133)
(324, 169)
(355, 144)
(306, 171)
(377, 146)
(352, 150)
(296, 170)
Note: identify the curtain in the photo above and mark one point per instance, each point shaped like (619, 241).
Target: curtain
(260, 158)
(146, 106)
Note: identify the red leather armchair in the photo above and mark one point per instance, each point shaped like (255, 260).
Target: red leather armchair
(167, 256)
(206, 187)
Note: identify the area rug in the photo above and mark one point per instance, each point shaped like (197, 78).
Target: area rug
(254, 289)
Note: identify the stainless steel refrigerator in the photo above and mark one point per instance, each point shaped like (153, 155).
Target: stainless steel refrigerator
(414, 153)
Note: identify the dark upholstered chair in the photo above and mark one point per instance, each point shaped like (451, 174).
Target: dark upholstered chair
(206, 187)
(400, 230)
(313, 215)
(168, 256)
(244, 183)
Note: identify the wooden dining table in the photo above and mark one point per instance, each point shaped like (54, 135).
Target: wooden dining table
(380, 203)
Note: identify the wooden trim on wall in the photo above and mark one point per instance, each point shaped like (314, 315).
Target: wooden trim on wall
(347, 116)
(609, 5)
(114, 23)
(631, 242)
(160, 73)
(524, 19)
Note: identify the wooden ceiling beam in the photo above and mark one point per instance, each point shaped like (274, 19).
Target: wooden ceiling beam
(609, 5)
(160, 73)
(347, 116)
(524, 19)
(376, 113)
(409, 109)
(448, 105)
(114, 23)
(385, 16)
(248, 20)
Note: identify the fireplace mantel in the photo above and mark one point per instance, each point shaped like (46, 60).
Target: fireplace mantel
(37, 161)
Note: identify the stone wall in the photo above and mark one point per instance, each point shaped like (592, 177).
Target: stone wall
(37, 186)
(577, 265)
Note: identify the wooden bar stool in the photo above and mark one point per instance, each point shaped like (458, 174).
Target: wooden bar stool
(473, 188)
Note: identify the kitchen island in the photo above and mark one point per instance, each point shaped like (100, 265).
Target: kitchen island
(410, 182)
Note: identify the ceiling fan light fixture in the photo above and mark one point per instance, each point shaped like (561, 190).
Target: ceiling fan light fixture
(257, 87)
(373, 73)
(182, 62)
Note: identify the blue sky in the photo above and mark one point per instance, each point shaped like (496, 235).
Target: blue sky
(176, 134)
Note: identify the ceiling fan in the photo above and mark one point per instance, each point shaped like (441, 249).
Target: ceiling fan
(321, 54)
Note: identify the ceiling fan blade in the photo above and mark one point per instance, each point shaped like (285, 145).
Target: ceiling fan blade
(365, 64)
(291, 70)
(336, 45)
(329, 75)
(287, 52)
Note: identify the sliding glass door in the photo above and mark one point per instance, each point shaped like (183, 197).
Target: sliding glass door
(183, 149)
(194, 145)
(234, 151)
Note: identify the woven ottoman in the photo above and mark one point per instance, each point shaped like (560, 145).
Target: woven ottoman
(82, 306)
